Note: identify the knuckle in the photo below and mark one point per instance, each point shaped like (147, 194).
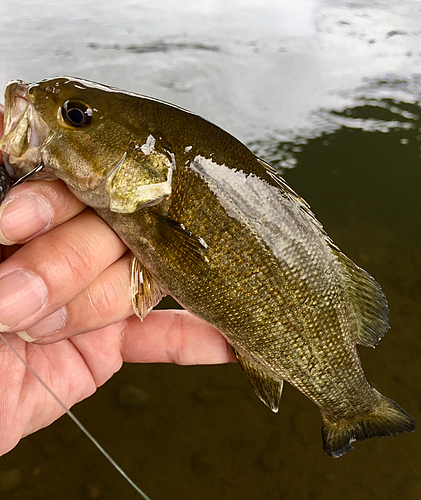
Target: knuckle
(102, 299)
(69, 260)
(178, 345)
(108, 297)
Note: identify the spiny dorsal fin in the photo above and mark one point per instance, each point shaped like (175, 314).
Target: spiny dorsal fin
(267, 387)
(304, 206)
(368, 301)
(146, 293)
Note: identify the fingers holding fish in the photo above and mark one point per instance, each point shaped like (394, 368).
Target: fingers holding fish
(52, 269)
(173, 336)
(74, 368)
(103, 302)
(31, 209)
(170, 336)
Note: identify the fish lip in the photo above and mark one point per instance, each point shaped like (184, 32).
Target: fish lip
(24, 131)
(16, 103)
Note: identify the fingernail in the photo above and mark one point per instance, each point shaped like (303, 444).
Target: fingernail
(22, 217)
(48, 325)
(24, 336)
(21, 294)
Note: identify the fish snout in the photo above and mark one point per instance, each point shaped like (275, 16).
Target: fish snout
(24, 131)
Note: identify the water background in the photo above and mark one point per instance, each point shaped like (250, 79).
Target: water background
(328, 92)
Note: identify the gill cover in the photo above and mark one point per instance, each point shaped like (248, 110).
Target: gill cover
(142, 178)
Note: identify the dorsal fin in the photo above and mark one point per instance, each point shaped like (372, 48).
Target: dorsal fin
(367, 298)
(301, 202)
(267, 387)
(368, 301)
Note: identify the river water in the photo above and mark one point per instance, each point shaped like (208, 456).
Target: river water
(328, 91)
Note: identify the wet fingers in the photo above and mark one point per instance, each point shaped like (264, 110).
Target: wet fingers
(33, 208)
(47, 273)
(105, 301)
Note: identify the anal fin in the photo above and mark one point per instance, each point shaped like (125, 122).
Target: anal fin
(146, 293)
(265, 385)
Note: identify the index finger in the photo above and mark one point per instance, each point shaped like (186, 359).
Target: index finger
(35, 207)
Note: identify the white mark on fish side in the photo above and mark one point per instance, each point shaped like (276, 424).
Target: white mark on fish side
(270, 212)
(203, 243)
(149, 146)
(172, 168)
(153, 193)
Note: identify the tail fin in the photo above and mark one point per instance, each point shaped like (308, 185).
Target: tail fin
(386, 419)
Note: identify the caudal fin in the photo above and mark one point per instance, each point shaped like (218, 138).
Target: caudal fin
(386, 419)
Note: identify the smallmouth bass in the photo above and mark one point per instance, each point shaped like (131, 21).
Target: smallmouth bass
(215, 227)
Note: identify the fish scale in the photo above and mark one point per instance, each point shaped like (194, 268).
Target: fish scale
(235, 312)
(217, 228)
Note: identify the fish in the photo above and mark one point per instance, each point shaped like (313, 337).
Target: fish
(218, 229)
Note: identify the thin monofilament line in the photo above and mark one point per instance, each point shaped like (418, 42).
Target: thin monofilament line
(78, 423)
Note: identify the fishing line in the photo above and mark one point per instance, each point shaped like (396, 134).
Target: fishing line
(77, 422)
(26, 176)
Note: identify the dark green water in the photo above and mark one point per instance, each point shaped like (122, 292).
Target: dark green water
(200, 432)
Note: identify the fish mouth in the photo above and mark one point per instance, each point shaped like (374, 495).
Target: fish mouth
(24, 132)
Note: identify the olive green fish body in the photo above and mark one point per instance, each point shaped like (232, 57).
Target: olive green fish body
(252, 295)
(215, 227)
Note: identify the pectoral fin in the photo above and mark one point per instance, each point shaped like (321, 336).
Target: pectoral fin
(266, 386)
(185, 250)
(146, 293)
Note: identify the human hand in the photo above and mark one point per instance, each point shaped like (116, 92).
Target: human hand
(70, 275)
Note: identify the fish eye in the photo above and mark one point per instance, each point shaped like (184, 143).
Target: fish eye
(76, 113)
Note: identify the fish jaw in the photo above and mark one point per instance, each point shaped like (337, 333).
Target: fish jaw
(25, 133)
